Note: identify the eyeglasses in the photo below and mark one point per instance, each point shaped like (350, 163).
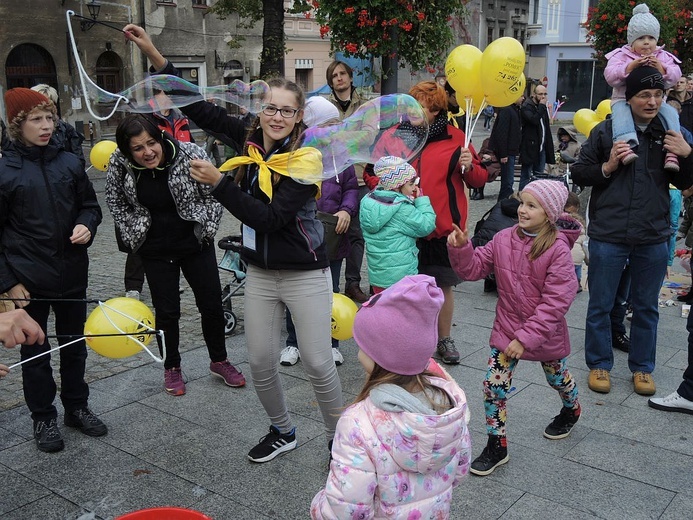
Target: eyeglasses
(646, 96)
(271, 110)
(541, 94)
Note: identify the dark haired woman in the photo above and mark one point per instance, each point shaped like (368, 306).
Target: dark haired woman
(170, 220)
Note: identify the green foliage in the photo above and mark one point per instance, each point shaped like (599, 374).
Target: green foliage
(418, 31)
(249, 11)
(607, 26)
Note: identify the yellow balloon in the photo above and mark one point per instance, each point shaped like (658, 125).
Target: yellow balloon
(510, 95)
(128, 315)
(584, 120)
(101, 153)
(502, 63)
(463, 72)
(343, 314)
(603, 109)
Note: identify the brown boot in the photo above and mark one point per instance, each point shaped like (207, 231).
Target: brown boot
(355, 293)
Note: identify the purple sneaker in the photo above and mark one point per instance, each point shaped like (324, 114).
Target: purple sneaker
(173, 381)
(229, 373)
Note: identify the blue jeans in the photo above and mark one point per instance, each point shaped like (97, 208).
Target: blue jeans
(335, 268)
(648, 265)
(507, 178)
(532, 169)
(623, 126)
(618, 312)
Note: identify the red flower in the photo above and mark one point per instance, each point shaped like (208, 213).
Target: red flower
(351, 48)
(605, 17)
(324, 29)
(621, 16)
(407, 26)
(349, 10)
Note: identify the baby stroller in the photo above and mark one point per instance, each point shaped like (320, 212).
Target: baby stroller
(231, 262)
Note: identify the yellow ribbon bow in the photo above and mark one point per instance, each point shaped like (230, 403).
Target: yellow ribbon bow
(306, 166)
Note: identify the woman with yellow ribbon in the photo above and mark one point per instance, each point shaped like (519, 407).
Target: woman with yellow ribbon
(282, 245)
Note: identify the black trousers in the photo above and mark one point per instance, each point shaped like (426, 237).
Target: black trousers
(37, 375)
(134, 273)
(200, 270)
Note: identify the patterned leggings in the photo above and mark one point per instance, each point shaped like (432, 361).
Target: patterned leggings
(499, 380)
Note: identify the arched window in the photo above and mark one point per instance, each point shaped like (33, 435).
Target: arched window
(29, 64)
(109, 72)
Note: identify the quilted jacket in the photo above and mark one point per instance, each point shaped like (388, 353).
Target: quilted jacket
(194, 201)
(396, 464)
(533, 295)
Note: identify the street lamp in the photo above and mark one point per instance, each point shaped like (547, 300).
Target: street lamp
(93, 7)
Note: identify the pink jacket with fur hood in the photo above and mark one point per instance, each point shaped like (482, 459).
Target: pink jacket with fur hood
(533, 296)
(396, 464)
(618, 60)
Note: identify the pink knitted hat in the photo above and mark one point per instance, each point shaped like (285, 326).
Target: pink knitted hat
(552, 195)
(393, 172)
(398, 328)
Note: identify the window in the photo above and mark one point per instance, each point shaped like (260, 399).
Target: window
(502, 8)
(199, 3)
(491, 6)
(574, 80)
(489, 36)
(501, 32)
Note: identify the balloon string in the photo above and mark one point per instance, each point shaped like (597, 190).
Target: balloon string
(46, 352)
(80, 300)
(84, 78)
(142, 345)
(91, 20)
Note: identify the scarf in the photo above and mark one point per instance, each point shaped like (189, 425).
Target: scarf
(306, 167)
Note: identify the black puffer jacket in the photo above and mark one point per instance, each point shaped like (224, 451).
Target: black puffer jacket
(507, 132)
(533, 132)
(44, 194)
(632, 205)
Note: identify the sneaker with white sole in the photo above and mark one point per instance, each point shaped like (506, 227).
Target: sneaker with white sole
(672, 403)
(173, 381)
(272, 445)
(289, 356)
(337, 357)
(135, 295)
(229, 373)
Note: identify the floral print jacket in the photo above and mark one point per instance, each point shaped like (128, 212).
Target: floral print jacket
(396, 464)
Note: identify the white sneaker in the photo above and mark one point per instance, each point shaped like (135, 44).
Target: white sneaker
(135, 295)
(290, 356)
(671, 403)
(337, 356)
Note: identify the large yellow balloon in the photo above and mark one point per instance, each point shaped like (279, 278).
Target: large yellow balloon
(463, 70)
(343, 314)
(603, 109)
(128, 315)
(584, 120)
(101, 153)
(502, 63)
(510, 95)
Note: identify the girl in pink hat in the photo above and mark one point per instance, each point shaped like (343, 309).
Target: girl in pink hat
(536, 282)
(404, 444)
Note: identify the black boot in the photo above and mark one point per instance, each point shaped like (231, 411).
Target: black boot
(495, 453)
(480, 193)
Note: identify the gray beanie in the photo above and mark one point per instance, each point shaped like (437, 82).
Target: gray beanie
(643, 23)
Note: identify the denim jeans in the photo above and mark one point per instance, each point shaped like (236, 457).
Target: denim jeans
(648, 264)
(308, 294)
(532, 169)
(618, 312)
(507, 178)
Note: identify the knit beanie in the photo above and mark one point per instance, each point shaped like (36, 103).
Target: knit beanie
(393, 172)
(552, 195)
(318, 110)
(643, 23)
(398, 328)
(643, 78)
(20, 101)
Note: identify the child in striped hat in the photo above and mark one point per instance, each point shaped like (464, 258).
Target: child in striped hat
(392, 217)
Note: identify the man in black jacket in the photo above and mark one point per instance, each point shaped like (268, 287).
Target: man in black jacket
(536, 148)
(505, 142)
(629, 223)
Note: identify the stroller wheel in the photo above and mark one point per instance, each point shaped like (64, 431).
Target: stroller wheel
(230, 322)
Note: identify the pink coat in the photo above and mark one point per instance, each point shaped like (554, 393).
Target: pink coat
(533, 296)
(618, 60)
(396, 464)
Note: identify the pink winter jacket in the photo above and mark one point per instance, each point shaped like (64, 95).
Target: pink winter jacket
(396, 464)
(618, 60)
(533, 296)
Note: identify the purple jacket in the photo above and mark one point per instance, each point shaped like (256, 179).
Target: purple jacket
(618, 60)
(533, 296)
(340, 193)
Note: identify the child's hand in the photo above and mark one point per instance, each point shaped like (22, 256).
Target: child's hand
(515, 349)
(458, 238)
(343, 221)
(654, 62)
